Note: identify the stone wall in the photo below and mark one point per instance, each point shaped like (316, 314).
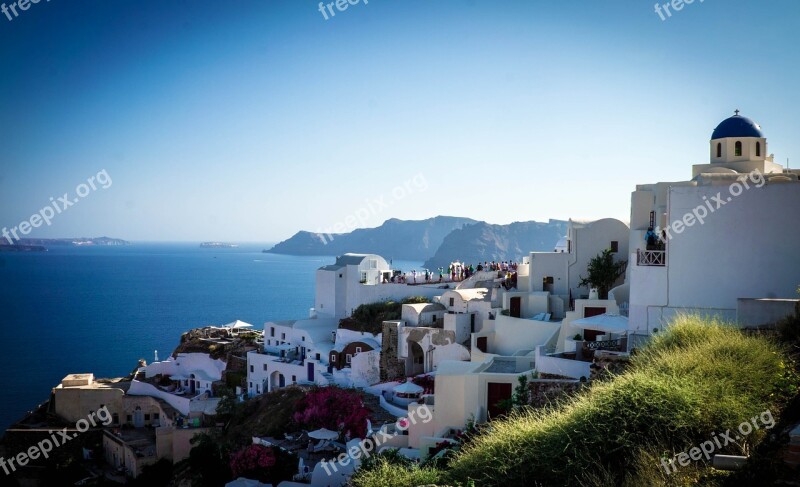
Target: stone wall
(542, 392)
(392, 368)
(608, 363)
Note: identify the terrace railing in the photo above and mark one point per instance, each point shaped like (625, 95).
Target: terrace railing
(603, 345)
(651, 258)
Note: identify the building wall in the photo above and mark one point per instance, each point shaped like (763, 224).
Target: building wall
(75, 403)
(118, 454)
(325, 296)
(460, 325)
(745, 249)
(365, 369)
(349, 349)
(764, 312)
(587, 240)
(462, 394)
(516, 334)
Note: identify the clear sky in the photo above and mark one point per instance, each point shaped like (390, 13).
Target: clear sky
(251, 120)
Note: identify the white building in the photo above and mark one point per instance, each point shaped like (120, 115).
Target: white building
(467, 310)
(726, 236)
(547, 282)
(294, 352)
(357, 279)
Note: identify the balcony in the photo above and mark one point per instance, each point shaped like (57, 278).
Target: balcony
(651, 258)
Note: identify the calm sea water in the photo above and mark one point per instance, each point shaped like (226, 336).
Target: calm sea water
(101, 309)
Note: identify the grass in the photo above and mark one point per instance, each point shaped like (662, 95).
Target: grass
(698, 378)
(386, 474)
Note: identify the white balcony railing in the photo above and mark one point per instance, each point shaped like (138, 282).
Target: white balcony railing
(651, 258)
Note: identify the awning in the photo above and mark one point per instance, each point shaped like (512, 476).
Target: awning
(608, 323)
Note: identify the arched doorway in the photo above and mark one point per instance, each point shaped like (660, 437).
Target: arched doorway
(415, 362)
(276, 381)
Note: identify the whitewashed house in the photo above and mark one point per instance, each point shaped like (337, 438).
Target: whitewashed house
(547, 282)
(467, 309)
(294, 352)
(729, 232)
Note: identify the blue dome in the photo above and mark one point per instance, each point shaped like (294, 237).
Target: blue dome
(737, 126)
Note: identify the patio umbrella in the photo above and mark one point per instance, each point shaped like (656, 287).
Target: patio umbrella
(323, 434)
(608, 323)
(236, 325)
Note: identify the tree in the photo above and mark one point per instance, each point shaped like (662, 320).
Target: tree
(603, 273)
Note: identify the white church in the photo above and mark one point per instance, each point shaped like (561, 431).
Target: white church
(727, 235)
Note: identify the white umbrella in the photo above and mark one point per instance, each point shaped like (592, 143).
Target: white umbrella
(323, 434)
(608, 323)
(237, 325)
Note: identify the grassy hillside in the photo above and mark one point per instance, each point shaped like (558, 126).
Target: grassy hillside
(698, 379)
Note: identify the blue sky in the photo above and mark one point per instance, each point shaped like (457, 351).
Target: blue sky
(250, 120)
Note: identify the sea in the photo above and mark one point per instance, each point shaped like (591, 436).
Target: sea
(100, 309)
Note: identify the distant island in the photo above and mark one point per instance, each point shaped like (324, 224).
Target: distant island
(436, 240)
(41, 244)
(218, 245)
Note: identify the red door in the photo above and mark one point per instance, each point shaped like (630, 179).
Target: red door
(495, 394)
(516, 307)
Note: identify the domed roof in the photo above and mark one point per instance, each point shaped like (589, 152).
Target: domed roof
(737, 126)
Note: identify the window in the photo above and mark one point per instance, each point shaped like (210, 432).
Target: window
(147, 417)
(272, 331)
(614, 246)
(349, 358)
(758, 149)
(340, 276)
(265, 367)
(128, 418)
(303, 338)
(452, 301)
(358, 349)
(258, 391)
(719, 149)
(294, 379)
(283, 336)
(318, 356)
(251, 385)
(156, 416)
(115, 418)
(252, 369)
(738, 149)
